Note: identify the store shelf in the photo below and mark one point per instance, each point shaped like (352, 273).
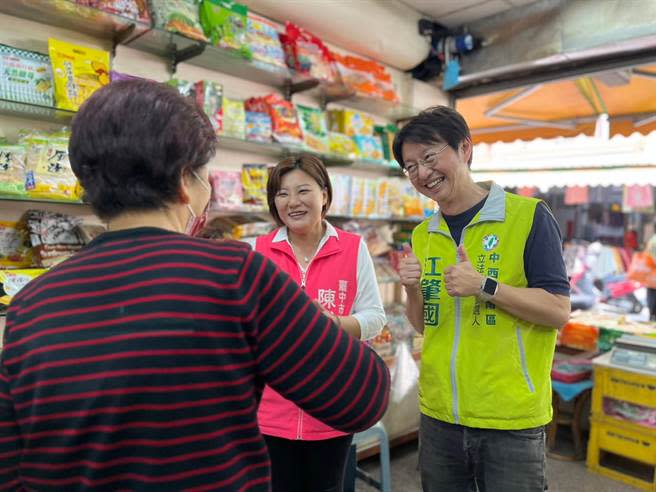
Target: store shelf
(42, 200)
(35, 111)
(69, 15)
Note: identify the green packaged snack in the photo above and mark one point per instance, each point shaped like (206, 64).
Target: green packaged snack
(12, 170)
(225, 23)
(179, 16)
(315, 128)
(234, 119)
(209, 96)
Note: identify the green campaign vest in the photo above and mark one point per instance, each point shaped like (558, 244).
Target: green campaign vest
(480, 366)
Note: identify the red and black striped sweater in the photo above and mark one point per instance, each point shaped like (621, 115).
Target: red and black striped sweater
(138, 365)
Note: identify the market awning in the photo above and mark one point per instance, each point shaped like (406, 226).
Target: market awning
(578, 161)
(543, 180)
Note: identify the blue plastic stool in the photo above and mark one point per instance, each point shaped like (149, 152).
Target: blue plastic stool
(379, 433)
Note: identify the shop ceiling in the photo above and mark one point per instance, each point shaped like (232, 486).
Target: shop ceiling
(551, 67)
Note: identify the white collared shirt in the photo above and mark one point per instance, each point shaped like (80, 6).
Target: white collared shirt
(368, 306)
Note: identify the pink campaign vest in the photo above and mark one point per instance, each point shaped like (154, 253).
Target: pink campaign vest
(331, 279)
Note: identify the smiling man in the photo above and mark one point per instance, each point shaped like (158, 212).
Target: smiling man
(487, 286)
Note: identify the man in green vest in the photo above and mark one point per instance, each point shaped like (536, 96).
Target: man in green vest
(487, 286)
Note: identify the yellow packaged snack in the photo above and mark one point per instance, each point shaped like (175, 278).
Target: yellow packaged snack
(78, 72)
(15, 247)
(49, 174)
(14, 280)
(254, 183)
(12, 170)
(358, 198)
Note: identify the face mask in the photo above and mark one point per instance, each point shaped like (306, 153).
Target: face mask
(196, 223)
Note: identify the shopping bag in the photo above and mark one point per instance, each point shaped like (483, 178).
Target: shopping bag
(643, 269)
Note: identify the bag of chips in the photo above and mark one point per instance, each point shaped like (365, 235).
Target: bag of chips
(12, 170)
(209, 96)
(254, 183)
(234, 118)
(258, 127)
(314, 127)
(13, 281)
(306, 54)
(284, 120)
(54, 237)
(49, 173)
(132, 9)
(224, 23)
(179, 16)
(78, 72)
(341, 145)
(25, 76)
(350, 122)
(226, 189)
(15, 248)
(264, 42)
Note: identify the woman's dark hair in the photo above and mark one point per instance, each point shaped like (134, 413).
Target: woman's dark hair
(306, 163)
(131, 142)
(434, 125)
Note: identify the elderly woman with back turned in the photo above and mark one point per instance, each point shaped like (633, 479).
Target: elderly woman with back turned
(139, 363)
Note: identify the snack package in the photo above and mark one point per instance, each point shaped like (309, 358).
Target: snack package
(78, 72)
(365, 77)
(226, 189)
(428, 206)
(306, 54)
(15, 248)
(251, 229)
(395, 197)
(48, 169)
(314, 127)
(133, 9)
(254, 184)
(234, 118)
(179, 16)
(382, 199)
(350, 122)
(224, 23)
(284, 120)
(209, 96)
(14, 280)
(358, 196)
(341, 203)
(25, 76)
(371, 198)
(12, 170)
(184, 87)
(340, 144)
(411, 201)
(258, 127)
(369, 147)
(387, 134)
(54, 237)
(264, 42)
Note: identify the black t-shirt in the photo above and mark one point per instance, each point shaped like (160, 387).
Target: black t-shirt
(543, 255)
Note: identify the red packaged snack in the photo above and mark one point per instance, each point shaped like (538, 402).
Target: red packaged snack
(306, 54)
(284, 120)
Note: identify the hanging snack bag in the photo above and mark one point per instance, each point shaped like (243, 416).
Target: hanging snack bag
(254, 183)
(314, 127)
(226, 189)
(179, 16)
(25, 76)
(54, 237)
(284, 120)
(13, 281)
(15, 248)
(12, 170)
(264, 42)
(78, 72)
(209, 96)
(224, 23)
(234, 118)
(48, 170)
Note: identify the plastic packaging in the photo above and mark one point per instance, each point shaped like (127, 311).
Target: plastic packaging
(340, 144)
(284, 120)
(48, 170)
(226, 189)
(365, 77)
(13, 281)
(264, 42)
(254, 183)
(314, 127)
(258, 127)
(78, 72)
(54, 237)
(306, 54)
(12, 170)
(179, 16)
(350, 122)
(209, 96)
(132, 9)
(15, 248)
(25, 76)
(224, 23)
(234, 118)
(369, 147)
(341, 184)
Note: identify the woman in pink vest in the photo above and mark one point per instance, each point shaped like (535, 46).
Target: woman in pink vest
(335, 269)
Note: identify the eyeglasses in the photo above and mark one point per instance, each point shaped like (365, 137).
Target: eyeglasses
(429, 161)
(205, 185)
